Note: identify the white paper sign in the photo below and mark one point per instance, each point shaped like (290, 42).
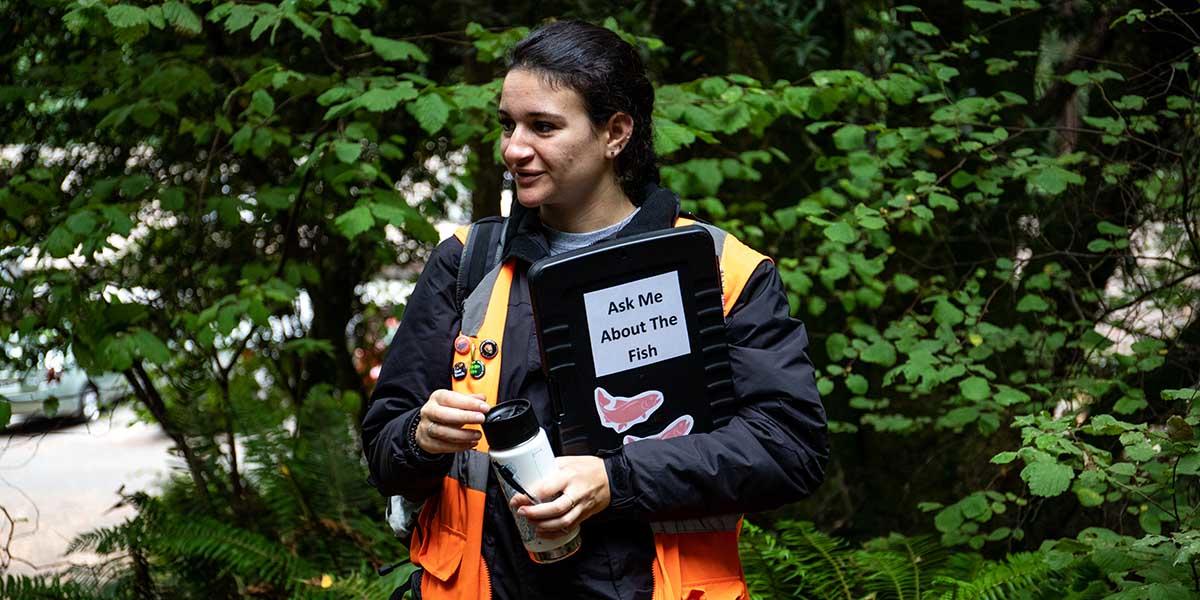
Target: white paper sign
(636, 324)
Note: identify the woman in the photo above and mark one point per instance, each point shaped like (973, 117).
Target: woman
(659, 517)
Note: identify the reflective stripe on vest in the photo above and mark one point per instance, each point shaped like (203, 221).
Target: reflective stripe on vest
(694, 558)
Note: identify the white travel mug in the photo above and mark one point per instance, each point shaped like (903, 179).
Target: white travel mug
(521, 456)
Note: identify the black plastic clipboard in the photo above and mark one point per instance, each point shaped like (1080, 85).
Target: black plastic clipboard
(598, 409)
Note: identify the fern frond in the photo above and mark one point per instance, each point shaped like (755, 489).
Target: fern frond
(767, 564)
(900, 567)
(47, 588)
(1015, 577)
(242, 552)
(826, 563)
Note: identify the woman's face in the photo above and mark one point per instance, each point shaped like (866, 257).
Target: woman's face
(549, 144)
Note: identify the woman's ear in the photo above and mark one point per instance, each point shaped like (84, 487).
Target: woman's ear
(619, 131)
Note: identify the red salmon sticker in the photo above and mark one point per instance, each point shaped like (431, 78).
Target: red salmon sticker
(681, 426)
(620, 413)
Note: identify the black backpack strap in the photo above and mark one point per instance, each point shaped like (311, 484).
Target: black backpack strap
(481, 253)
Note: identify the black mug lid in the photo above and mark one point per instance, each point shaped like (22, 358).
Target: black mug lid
(509, 424)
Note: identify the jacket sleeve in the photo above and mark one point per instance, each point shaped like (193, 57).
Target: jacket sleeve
(772, 452)
(417, 363)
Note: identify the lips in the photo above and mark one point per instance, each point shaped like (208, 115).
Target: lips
(525, 178)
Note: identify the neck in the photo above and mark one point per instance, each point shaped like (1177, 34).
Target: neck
(606, 206)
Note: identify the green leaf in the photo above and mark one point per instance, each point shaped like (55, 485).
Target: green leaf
(975, 388)
(835, 346)
(1008, 396)
(1128, 405)
(996, 66)
(385, 99)
(670, 136)
(1047, 478)
(947, 202)
(946, 313)
(60, 243)
(5, 413)
(149, 346)
(430, 110)
(264, 22)
(863, 165)
(880, 353)
(337, 94)
(904, 283)
(262, 103)
(849, 137)
(238, 17)
(957, 418)
(274, 198)
(303, 27)
(925, 28)
(125, 15)
(389, 49)
(1151, 523)
(181, 17)
(81, 222)
(945, 73)
(347, 152)
(841, 231)
(1054, 179)
(355, 221)
(1140, 452)
(1088, 496)
(1086, 77)
(154, 15)
(171, 199)
(1032, 303)
(824, 386)
(857, 384)
(949, 519)
(1004, 458)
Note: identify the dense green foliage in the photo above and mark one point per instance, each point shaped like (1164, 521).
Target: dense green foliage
(984, 211)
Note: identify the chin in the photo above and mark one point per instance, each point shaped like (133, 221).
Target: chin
(530, 198)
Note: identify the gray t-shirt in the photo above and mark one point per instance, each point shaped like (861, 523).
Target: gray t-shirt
(562, 241)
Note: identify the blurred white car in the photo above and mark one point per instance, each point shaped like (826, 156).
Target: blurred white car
(58, 388)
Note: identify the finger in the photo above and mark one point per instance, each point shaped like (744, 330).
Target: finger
(560, 526)
(546, 511)
(473, 402)
(440, 447)
(451, 435)
(519, 500)
(485, 407)
(550, 486)
(452, 416)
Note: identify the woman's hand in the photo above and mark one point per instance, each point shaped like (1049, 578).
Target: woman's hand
(441, 428)
(581, 487)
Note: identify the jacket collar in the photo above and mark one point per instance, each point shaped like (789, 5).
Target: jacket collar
(526, 240)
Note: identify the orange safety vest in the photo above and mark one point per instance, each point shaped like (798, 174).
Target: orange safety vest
(695, 559)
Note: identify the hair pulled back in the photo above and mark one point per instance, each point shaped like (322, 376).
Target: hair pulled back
(607, 72)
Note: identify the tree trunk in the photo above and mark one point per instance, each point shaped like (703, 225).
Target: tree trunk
(144, 389)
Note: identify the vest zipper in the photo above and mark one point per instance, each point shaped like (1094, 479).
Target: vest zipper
(653, 576)
(487, 577)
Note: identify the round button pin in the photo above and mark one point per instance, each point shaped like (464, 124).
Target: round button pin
(460, 371)
(462, 344)
(477, 369)
(489, 349)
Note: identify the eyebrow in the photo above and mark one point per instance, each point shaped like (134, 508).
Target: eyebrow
(537, 114)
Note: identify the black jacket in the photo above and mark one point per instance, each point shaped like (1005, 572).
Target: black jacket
(771, 453)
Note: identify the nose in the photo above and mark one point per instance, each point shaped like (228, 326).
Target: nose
(515, 150)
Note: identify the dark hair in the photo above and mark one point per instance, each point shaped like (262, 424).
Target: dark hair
(610, 76)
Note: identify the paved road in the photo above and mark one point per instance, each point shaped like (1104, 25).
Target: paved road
(57, 482)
